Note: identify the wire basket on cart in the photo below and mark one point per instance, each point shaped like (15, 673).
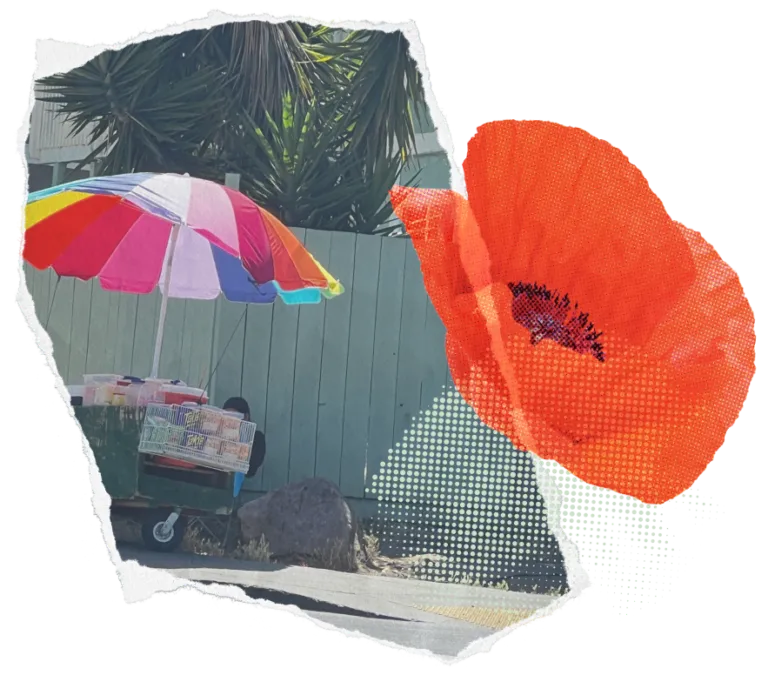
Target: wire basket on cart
(200, 435)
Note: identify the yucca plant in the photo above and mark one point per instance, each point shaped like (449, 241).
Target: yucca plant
(138, 120)
(310, 174)
(290, 164)
(318, 125)
(385, 92)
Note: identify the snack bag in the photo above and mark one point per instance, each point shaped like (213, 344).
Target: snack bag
(238, 451)
(194, 441)
(210, 422)
(190, 417)
(230, 428)
(212, 447)
(244, 451)
(175, 437)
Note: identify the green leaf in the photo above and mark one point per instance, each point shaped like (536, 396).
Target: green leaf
(318, 123)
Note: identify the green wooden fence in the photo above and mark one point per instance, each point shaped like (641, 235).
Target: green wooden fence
(337, 388)
(333, 385)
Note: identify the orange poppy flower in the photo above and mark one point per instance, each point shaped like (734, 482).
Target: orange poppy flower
(582, 321)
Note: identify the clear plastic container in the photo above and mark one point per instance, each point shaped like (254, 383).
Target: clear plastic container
(103, 394)
(133, 393)
(99, 389)
(100, 379)
(151, 391)
(129, 391)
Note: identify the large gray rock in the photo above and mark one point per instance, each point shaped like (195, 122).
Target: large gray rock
(308, 520)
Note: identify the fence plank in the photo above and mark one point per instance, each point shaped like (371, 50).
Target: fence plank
(41, 295)
(277, 428)
(170, 352)
(33, 283)
(187, 337)
(309, 355)
(81, 319)
(333, 372)
(126, 331)
(227, 357)
(199, 324)
(434, 367)
(60, 323)
(147, 310)
(97, 359)
(385, 354)
(110, 331)
(411, 346)
(29, 282)
(357, 404)
(258, 338)
(280, 386)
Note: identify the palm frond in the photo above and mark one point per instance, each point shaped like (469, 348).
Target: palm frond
(385, 92)
(318, 124)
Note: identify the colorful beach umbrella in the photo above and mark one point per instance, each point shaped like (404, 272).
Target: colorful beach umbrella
(190, 237)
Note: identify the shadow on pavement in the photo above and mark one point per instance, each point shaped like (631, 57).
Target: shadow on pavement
(307, 604)
(192, 561)
(179, 560)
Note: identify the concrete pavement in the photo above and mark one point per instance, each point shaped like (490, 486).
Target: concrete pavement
(443, 618)
(440, 639)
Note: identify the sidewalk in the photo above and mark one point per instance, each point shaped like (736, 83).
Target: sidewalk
(450, 616)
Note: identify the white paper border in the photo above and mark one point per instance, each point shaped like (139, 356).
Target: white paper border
(139, 583)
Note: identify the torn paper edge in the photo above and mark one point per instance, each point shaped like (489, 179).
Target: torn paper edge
(140, 582)
(444, 137)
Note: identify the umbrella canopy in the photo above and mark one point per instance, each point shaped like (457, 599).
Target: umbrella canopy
(191, 237)
(132, 231)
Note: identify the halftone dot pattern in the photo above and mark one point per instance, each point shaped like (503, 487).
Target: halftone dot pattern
(553, 207)
(538, 368)
(456, 488)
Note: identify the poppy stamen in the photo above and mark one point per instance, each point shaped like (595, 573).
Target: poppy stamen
(550, 316)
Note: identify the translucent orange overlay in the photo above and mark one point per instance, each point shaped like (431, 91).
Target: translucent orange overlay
(582, 321)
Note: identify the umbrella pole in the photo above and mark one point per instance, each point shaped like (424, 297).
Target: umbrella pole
(164, 302)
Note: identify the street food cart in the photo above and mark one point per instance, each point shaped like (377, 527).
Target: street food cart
(165, 459)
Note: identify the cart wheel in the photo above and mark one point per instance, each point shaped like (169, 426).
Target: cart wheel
(155, 538)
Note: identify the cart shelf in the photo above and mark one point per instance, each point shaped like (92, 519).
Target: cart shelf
(134, 479)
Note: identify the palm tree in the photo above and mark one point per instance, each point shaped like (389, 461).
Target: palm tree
(319, 123)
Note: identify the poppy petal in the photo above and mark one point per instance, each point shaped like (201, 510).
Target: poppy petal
(562, 208)
(430, 217)
(648, 419)
(458, 277)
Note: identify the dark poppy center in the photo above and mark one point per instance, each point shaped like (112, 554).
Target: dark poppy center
(548, 316)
